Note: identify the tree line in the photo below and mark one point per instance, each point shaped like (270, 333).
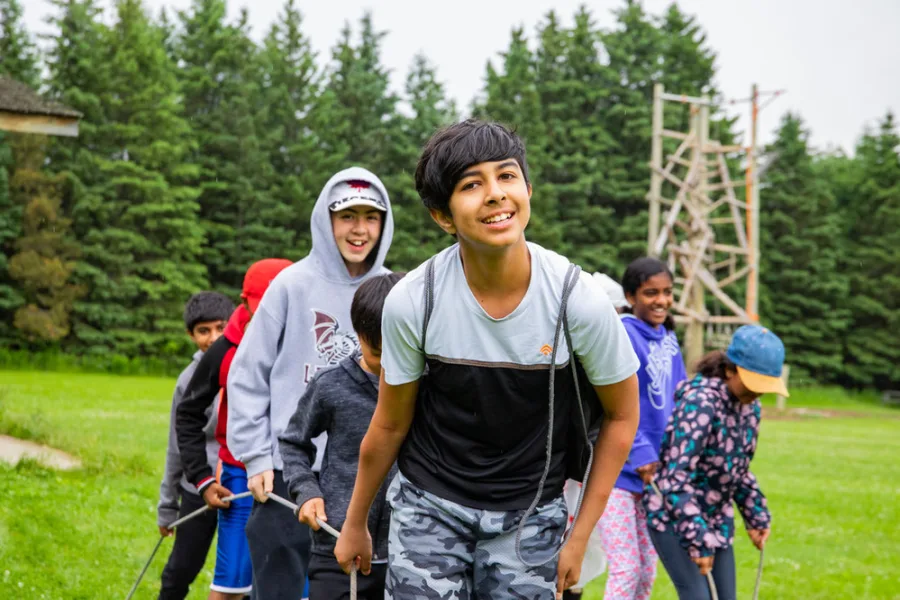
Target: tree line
(202, 150)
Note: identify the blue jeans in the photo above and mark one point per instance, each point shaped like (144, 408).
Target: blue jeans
(685, 575)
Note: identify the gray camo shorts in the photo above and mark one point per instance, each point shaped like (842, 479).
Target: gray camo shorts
(444, 551)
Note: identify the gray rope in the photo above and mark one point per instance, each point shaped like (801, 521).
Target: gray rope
(712, 586)
(328, 528)
(173, 525)
(146, 566)
(758, 576)
(568, 284)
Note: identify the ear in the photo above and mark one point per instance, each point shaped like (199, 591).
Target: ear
(631, 299)
(444, 221)
(530, 189)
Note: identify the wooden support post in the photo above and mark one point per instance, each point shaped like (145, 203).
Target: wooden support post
(656, 153)
(752, 190)
(694, 334)
(781, 401)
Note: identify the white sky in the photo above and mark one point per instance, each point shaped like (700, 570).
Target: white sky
(838, 60)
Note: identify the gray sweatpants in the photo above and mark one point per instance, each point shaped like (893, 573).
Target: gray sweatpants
(442, 550)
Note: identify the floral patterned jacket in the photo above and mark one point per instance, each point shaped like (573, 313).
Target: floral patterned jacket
(706, 453)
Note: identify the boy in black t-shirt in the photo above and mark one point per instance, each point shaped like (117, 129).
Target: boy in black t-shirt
(477, 457)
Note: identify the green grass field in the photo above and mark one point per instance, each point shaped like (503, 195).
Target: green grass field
(833, 484)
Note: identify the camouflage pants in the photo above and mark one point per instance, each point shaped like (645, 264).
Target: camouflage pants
(441, 550)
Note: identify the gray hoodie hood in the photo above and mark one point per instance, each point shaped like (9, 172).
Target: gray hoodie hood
(302, 325)
(325, 256)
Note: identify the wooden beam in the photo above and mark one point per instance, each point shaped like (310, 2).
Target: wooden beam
(62, 126)
(710, 148)
(728, 248)
(727, 320)
(734, 276)
(677, 135)
(710, 283)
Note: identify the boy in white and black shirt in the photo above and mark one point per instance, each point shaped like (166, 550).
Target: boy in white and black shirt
(473, 430)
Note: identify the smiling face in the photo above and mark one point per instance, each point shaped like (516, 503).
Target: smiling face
(357, 230)
(490, 206)
(652, 301)
(205, 333)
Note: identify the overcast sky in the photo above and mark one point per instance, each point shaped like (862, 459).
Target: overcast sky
(839, 60)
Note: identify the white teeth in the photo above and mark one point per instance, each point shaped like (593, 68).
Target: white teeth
(498, 218)
(357, 244)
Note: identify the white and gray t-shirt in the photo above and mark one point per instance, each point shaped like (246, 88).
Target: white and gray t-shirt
(478, 437)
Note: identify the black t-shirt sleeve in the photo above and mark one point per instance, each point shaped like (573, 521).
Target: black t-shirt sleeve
(191, 417)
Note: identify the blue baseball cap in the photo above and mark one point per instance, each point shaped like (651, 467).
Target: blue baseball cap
(759, 356)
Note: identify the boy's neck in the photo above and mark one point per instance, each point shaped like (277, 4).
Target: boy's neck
(365, 367)
(357, 269)
(499, 280)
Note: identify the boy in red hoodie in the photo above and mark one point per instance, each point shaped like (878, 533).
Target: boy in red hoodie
(233, 574)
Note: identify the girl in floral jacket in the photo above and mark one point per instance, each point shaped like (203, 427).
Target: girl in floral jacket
(706, 453)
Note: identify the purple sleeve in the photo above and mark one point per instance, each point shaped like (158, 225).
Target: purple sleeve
(642, 451)
(690, 426)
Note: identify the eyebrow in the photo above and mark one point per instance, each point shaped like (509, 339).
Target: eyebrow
(504, 165)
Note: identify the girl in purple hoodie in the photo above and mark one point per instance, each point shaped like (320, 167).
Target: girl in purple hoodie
(647, 283)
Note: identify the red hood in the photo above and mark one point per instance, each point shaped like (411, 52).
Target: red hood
(237, 323)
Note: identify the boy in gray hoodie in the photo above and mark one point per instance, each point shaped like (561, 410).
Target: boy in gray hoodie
(340, 401)
(301, 325)
(205, 315)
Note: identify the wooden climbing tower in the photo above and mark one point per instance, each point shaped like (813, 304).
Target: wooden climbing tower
(698, 224)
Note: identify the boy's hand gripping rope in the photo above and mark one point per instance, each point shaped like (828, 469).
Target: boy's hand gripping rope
(175, 524)
(296, 509)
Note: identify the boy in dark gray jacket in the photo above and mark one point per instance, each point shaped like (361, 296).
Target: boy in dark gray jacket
(340, 401)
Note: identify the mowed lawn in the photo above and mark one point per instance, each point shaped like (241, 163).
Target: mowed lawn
(833, 484)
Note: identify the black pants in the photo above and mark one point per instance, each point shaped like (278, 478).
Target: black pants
(192, 541)
(685, 575)
(279, 548)
(328, 582)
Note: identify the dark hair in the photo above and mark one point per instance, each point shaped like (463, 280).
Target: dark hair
(715, 364)
(457, 147)
(207, 306)
(368, 305)
(639, 271)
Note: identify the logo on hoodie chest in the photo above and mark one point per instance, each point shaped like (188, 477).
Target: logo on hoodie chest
(659, 369)
(332, 344)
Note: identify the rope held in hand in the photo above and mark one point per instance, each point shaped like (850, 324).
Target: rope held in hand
(328, 528)
(173, 525)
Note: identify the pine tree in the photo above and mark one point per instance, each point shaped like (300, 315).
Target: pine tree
(78, 70)
(45, 258)
(416, 236)
(10, 230)
(290, 88)
(573, 85)
(137, 221)
(18, 55)
(356, 115)
(512, 97)
(801, 285)
(872, 354)
(644, 50)
(18, 60)
(220, 70)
